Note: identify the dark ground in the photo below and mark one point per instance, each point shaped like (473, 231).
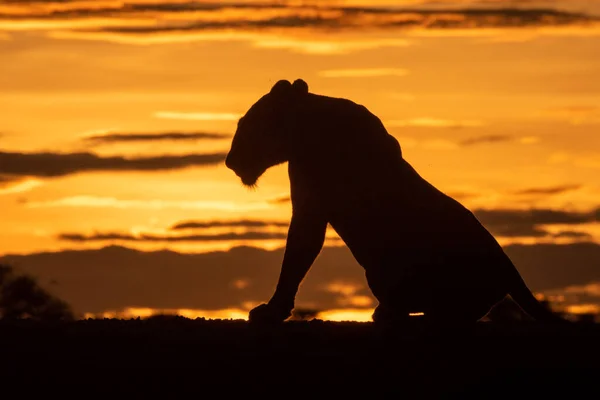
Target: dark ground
(219, 359)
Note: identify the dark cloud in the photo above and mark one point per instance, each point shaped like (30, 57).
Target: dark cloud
(243, 223)
(547, 190)
(351, 17)
(501, 223)
(113, 278)
(522, 230)
(79, 9)
(535, 216)
(142, 137)
(39, 1)
(229, 236)
(280, 200)
(328, 17)
(528, 223)
(486, 139)
(184, 6)
(463, 195)
(573, 235)
(61, 164)
(548, 266)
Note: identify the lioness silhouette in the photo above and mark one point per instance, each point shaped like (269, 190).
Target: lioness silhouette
(422, 251)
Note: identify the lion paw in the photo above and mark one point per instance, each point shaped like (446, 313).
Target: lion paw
(269, 314)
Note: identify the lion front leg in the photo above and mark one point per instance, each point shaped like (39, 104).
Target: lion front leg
(305, 240)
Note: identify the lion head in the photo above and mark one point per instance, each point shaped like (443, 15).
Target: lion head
(262, 137)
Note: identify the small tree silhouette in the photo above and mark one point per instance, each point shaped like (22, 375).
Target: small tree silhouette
(22, 297)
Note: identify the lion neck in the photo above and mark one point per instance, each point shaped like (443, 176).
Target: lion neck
(328, 131)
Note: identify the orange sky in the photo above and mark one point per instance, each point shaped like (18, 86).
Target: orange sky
(498, 107)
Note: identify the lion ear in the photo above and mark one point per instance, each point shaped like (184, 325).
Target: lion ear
(281, 87)
(300, 86)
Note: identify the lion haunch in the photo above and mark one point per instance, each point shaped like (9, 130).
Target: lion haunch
(422, 251)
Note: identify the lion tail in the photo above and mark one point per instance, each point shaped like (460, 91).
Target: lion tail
(527, 301)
